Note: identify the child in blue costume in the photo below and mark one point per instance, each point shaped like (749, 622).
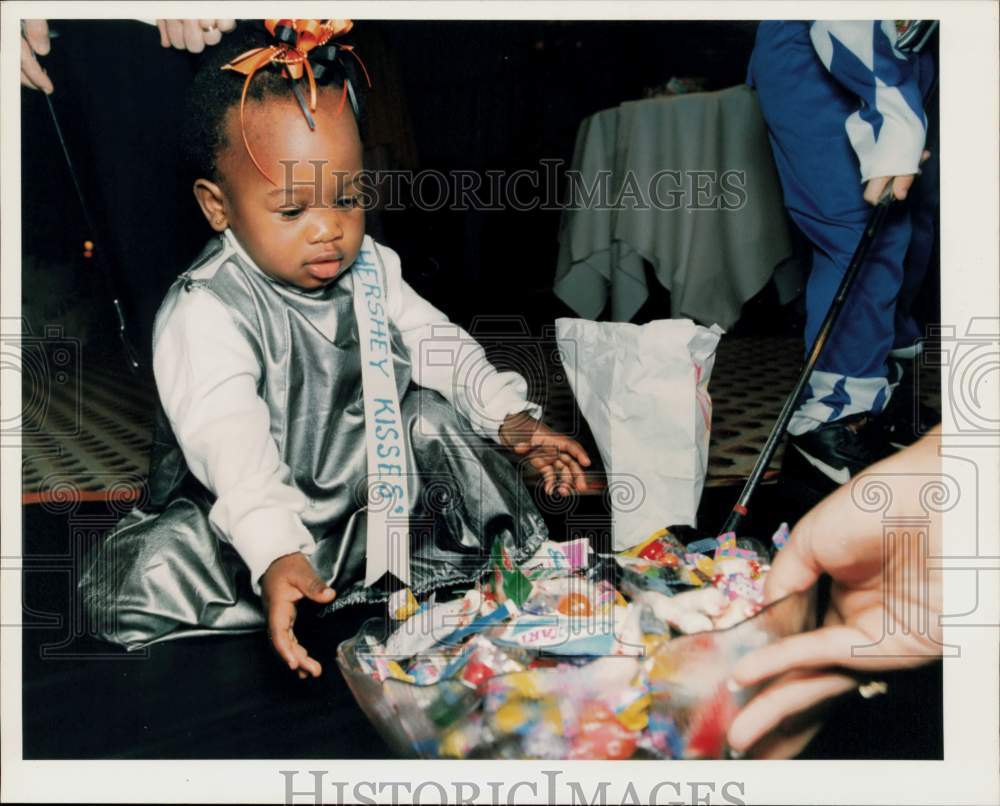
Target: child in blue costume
(844, 108)
(260, 476)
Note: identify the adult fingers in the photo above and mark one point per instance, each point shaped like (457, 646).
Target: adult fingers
(796, 567)
(280, 617)
(37, 34)
(175, 33)
(31, 70)
(161, 26)
(225, 25)
(790, 738)
(210, 32)
(784, 699)
(901, 186)
(194, 38)
(875, 187)
(827, 646)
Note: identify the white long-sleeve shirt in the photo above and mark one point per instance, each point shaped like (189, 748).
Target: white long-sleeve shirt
(207, 374)
(889, 129)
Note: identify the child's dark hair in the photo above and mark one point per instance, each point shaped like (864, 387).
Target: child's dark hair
(214, 91)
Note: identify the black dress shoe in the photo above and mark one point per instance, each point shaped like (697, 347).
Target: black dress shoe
(905, 419)
(835, 452)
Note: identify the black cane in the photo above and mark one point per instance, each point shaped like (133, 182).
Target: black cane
(871, 230)
(130, 353)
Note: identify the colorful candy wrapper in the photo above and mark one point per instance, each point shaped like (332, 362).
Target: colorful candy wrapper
(572, 596)
(498, 615)
(464, 737)
(426, 671)
(557, 559)
(450, 702)
(368, 656)
(613, 633)
(780, 537)
(741, 586)
(698, 569)
(428, 627)
(707, 732)
(703, 546)
(605, 596)
(661, 547)
(665, 736)
(632, 710)
(480, 660)
(545, 744)
(402, 604)
(728, 548)
(508, 581)
(600, 735)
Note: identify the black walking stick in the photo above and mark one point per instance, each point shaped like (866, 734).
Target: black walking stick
(871, 230)
(106, 273)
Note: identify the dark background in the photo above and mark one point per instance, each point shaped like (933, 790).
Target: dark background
(448, 94)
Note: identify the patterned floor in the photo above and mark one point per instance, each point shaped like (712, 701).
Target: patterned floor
(86, 433)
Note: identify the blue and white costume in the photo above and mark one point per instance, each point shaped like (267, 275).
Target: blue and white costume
(844, 105)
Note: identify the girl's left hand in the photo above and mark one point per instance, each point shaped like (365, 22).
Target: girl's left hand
(557, 457)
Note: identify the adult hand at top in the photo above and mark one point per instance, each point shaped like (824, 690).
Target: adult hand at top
(34, 43)
(193, 35)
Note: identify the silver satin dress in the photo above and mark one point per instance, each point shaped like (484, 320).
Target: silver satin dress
(166, 571)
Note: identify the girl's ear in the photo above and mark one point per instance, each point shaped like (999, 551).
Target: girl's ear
(212, 202)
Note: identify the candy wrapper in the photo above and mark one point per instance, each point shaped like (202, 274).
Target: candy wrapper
(557, 559)
(430, 626)
(509, 582)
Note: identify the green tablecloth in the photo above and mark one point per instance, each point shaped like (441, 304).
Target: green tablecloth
(711, 260)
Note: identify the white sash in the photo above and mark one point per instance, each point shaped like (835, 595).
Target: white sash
(388, 544)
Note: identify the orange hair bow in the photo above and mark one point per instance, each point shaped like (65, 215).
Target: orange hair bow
(301, 50)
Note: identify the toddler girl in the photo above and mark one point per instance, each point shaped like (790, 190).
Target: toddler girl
(325, 427)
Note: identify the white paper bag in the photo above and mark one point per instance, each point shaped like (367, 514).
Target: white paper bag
(643, 390)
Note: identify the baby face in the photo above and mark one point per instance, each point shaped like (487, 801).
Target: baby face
(308, 227)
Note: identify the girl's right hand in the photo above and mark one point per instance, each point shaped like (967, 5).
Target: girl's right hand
(287, 580)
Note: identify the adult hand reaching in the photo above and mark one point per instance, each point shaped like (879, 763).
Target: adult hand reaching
(34, 43)
(879, 591)
(193, 35)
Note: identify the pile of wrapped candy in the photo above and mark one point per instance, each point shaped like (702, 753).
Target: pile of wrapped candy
(572, 655)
